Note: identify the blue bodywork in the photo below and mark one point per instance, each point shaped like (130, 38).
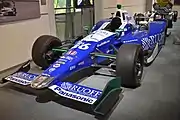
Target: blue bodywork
(79, 56)
(100, 40)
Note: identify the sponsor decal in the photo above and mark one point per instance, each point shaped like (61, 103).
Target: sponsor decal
(72, 52)
(150, 42)
(154, 54)
(81, 63)
(65, 58)
(57, 65)
(44, 74)
(41, 79)
(26, 76)
(60, 62)
(72, 67)
(79, 2)
(21, 78)
(18, 80)
(69, 58)
(52, 69)
(77, 92)
(127, 41)
(108, 51)
(103, 43)
(98, 35)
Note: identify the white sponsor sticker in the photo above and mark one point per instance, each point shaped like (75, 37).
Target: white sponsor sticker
(72, 67)
(79, 2)
(81, 63)
(103, 43)
(18, 80)
(154, 54)
(98, 35)
(71, 95)
(21, 78)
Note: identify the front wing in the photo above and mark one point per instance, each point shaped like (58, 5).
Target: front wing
(99, 101)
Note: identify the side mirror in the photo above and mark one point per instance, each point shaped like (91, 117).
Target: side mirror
(86, 29)
(112, 15)
(119, 32)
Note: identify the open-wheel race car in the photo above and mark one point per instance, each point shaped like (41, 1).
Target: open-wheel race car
(7, 8)
(115, 50)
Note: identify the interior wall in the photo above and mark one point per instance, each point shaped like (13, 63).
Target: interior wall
(109, 6)
(17, 38)
(104, 8)
(87, 20)
(134, 6)
(98, 10)
(176, 8)
(149, 4)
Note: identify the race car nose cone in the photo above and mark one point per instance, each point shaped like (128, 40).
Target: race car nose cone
(41, 82)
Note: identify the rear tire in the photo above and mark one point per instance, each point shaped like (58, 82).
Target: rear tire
(41, 46)
(165, 36)
(175, 16)
(129, 65)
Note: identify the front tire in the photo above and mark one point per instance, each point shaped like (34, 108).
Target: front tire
(129, 65)
(41, 47)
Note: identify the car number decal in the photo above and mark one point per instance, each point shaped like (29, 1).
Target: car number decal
(82, 46)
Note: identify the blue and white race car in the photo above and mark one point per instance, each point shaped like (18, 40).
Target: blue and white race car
(117, 44)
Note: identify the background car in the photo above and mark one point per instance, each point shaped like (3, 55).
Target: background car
(7, 8)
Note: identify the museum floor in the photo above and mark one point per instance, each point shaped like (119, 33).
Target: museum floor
(157, 99)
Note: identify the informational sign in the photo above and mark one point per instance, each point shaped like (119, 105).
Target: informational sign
(16, 10)
(83, 3)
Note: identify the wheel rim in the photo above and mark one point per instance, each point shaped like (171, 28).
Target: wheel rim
(138, 69)
(48, 58)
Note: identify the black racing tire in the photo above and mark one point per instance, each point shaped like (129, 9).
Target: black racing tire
(165, 36)
(175, 16)
(129, 65)
(41, 46)
(170, 23)
(139, 17)
(156, 6)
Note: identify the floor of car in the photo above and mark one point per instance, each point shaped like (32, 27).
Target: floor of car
(157, 99)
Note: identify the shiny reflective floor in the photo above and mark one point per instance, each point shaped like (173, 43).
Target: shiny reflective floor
(157, 99)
